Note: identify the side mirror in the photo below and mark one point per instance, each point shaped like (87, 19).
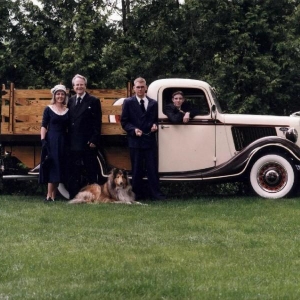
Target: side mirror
(213, 112)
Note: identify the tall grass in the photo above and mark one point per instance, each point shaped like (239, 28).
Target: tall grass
(205, 248)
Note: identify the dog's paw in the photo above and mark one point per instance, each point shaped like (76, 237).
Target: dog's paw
(140, 203)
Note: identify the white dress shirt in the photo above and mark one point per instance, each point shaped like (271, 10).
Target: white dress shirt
(146, 101)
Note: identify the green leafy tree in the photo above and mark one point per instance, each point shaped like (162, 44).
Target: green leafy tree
(148, 45)
(25, 63)
(83, 32)
(4, 33)
(248, 49)
(52, 43)
(246, 42)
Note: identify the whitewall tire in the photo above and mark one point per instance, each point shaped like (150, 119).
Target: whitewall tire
(273, 176)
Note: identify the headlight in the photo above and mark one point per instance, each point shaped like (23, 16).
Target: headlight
(292, 135)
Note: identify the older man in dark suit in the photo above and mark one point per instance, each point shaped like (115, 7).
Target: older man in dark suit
(139, 119)
(85, 117)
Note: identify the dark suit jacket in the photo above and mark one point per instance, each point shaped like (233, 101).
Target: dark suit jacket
(175, 116)
(85, 122)
(133, 117)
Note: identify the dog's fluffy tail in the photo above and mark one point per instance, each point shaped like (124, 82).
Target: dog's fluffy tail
(82, 197)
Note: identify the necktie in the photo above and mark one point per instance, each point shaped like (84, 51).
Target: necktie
(143, 105)
(78, 101)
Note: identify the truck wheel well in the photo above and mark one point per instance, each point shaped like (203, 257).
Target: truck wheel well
(268, 150)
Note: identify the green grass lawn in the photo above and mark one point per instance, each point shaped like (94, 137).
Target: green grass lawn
(205, 248)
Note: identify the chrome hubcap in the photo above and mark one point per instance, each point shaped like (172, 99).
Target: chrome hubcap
(272, 177)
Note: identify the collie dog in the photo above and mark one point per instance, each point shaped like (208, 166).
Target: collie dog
(117, 189)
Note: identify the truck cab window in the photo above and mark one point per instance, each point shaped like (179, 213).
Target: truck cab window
(195, 97)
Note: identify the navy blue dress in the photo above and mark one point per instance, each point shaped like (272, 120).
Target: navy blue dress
(56, 138)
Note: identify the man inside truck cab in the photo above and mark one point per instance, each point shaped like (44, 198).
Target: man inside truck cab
(180, 111)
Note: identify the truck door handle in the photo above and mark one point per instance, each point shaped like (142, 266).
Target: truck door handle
(163, 126)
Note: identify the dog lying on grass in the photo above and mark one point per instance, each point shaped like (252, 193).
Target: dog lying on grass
(117, 189)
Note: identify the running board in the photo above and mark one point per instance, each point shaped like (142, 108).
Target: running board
(20, 177)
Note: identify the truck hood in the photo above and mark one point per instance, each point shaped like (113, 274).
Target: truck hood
(236, 119)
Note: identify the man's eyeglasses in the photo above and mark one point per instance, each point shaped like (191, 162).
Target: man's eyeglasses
(139, 87)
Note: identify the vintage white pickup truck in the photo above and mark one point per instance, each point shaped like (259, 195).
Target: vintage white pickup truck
(259, 149)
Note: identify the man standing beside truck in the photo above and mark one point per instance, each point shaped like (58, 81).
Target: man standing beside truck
(140, 120)
(84, 130)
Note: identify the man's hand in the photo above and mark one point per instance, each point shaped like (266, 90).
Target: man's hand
(186, 117)
(153, 128)
(138, 132)
(92, 145)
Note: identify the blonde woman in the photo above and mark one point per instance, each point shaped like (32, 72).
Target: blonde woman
(53, 137)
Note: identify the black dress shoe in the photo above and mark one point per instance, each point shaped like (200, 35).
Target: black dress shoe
(49, 199)
(140, 197)
(159, 197)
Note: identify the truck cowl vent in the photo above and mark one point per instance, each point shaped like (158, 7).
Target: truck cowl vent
(243, 136)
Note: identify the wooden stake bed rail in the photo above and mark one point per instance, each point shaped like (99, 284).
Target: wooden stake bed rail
(22, 110)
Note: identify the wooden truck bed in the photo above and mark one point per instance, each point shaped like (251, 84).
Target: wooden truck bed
(21, 117)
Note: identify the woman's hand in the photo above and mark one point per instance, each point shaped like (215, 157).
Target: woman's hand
(44, 143)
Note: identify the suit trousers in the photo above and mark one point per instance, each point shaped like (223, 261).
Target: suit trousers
(144, 163)
(83, 170)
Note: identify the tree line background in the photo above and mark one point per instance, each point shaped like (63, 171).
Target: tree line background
(249, 50)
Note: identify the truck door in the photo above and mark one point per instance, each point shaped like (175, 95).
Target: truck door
(191, 146)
